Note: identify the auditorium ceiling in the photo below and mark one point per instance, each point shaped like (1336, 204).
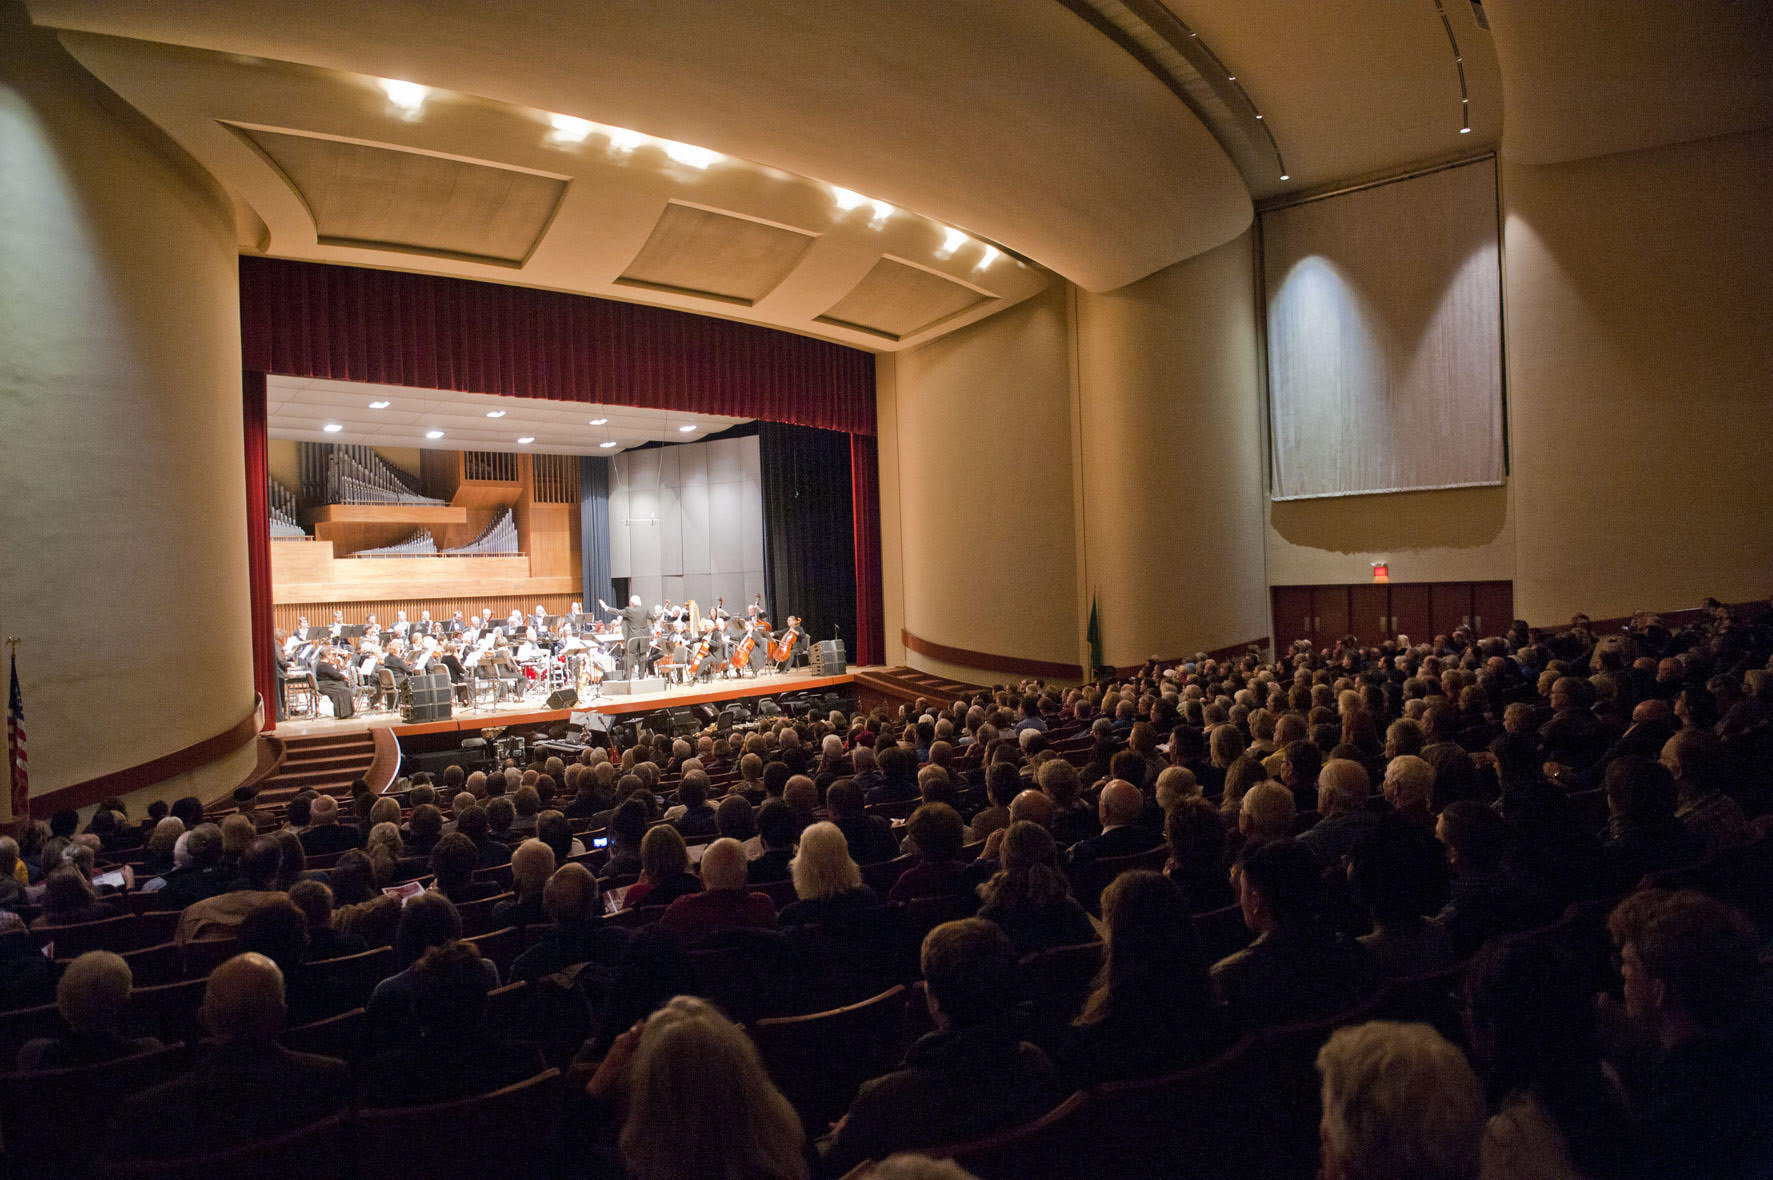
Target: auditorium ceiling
(873, 173)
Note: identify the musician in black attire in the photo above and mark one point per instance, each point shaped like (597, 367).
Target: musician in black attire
(394, 661)
(280, 674)
(635, 632)
(333, 685)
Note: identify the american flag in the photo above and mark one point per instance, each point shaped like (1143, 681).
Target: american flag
(15, 748)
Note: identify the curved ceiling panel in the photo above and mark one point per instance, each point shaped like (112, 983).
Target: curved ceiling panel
(1592, 78)
(334, 171)
(1350, 88)
(1016, 122)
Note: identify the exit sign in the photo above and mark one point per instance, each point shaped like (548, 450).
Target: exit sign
(1381, 572)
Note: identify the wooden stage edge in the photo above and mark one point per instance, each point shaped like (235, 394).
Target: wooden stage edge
(473, 722)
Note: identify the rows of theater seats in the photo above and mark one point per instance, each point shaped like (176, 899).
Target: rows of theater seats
(825, 1015)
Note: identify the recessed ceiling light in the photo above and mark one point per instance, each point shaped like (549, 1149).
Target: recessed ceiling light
(600, 421)
(622, 141)
(408, 96)
(1258, 116)
(690, 429)
(689, 154)
(332, 428)
(528, 438)
(380, 405)
(1284, 176)
(606, 445)
(1465, 131)
(1233, 78)
(570, 128)
(495, 413)
(433, 434)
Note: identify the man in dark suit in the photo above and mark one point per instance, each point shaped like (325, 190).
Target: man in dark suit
(244, 1089)
(1297, 969)
(870, 837)
(1120, 808)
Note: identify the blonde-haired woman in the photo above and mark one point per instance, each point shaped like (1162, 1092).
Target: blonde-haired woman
(827, 881)
(699, 1102)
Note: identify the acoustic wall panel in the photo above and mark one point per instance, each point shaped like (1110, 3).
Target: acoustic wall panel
(686, 521)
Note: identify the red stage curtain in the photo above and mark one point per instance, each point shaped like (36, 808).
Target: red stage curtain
(865, 504)
(305, 319)
(258, 539)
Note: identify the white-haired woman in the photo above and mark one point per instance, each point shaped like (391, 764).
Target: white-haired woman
(827, 881)
(699, 1101)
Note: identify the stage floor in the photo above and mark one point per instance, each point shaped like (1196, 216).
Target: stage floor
(532, 710)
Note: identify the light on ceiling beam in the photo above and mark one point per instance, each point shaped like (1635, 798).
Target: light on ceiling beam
(952, 240)
(599, 421)
(380, 405)
(408, 96)
(689, 429)
(847, 200)
(689, 155)
(526, 440)
(332, 428)
(433, 434)
(495, 413)
(569, 128)
(988, 257)
(882, 211)
(623, 141)
(1465, 131)
(1284, 176)
(606, 445)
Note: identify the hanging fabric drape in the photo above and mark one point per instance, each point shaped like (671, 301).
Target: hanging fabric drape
(305, 319)
(255, 414)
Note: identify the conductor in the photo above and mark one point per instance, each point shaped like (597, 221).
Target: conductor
(635, 632)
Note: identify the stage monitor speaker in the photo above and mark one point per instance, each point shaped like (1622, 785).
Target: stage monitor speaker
(426, 697)
(564, 698)
(828, 658)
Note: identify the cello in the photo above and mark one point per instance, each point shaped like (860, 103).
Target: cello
(783, 647)
(700, 655)
(742, 654)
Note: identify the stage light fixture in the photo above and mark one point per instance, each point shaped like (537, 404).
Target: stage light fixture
(600, 421)
(433, 434)
(527, 439)
(495, 413)
(380, 405)
(332, 428)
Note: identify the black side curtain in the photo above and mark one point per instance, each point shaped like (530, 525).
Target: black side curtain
(594, 532)
(809, 544)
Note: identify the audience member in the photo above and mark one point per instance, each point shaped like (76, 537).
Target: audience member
(827, 884)
(93, 1000)
(723, 902)
(664, 870)
(1398, 1101)
(971, 1076)
(245, 1087)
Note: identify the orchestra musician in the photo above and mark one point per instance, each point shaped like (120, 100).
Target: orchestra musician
(539, 620)
(280, 672)
(338, 623)
(399, 627)
(455, 626)
(394, 660)
(785, 648)
(334, 685)
(424, 626)
(458, 673)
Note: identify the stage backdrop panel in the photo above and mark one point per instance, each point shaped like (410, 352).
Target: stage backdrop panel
(1385, 337)
(686, 521)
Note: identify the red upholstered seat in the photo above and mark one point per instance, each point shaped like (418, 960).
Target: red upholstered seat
(306, 1153)
(819, 1061)
(509, 1132)
(1058, 1143)
(50, 1116)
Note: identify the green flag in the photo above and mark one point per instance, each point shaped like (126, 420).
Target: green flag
(1095, 637)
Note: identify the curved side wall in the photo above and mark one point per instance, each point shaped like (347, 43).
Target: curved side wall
(1172, 445)
(1640, 348)
(976, 442)
(122, 506)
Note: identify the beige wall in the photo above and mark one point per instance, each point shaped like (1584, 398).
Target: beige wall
(1639, 305)
(122, 507)
(979, 454)
(282, 462)
(1172, 443)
